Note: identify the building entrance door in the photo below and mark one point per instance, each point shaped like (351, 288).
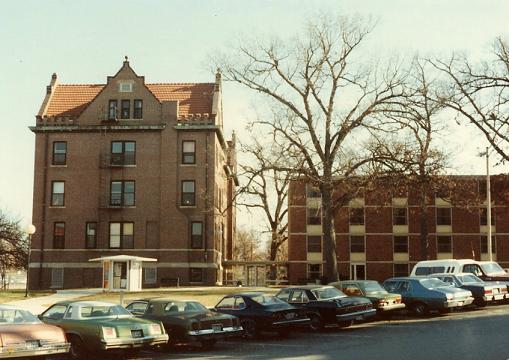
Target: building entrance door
(358, 271)
(119, 275)
(256, 275)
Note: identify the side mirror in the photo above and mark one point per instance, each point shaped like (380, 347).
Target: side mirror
(39, 316)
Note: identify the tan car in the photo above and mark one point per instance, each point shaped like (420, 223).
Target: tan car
(22, 335)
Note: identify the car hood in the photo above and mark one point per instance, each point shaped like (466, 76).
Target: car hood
(16, 333)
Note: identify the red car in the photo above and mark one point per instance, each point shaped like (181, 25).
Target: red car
(22, 334)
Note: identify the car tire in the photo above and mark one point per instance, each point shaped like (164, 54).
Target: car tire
(284, 333)
(250, 330)
(77, 349)
(419, 309)
(480, 302)
(208, 344)
(315, 323)
(345, 324)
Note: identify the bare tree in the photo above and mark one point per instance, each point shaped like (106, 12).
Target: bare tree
(328, 94)
(266, 189)
(479, 93)
(248, 246)
(412, 158)
(13, 247)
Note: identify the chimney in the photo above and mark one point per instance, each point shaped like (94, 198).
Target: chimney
(52, 83)
(218, 80)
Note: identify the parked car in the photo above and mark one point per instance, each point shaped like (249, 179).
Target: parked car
(262, 312)
(23, 334)
(92, 326)
(187, 321)
(383, 301)
(326, 305)
(482, 291)
(485, 270)
(423, 294)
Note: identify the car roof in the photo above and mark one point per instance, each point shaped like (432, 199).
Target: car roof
(354, 282)
(309, 287)
(404, 278)
(9, 307)
(166, 299)
(248, 294)
(91, 303)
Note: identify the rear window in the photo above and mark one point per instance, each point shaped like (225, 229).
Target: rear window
(426, 270)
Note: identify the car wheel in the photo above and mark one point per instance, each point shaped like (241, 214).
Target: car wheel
(420, 309)
(250, 331)
(345, 324)
(77, 350)
(284, 333)
(479, 302)
(316, 323)
(208, 344)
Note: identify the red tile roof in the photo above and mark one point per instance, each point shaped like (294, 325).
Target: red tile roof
(72, 100)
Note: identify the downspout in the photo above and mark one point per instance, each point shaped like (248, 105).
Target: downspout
(44, 209)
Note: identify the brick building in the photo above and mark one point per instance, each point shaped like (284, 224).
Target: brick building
(378, 234)
(132, 168)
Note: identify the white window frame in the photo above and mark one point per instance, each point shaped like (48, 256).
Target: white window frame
(125, 87)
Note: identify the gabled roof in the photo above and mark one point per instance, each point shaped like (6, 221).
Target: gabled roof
(72, 100)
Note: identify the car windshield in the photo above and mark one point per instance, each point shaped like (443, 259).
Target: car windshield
(492, 268)
(469, 279)
(433, 283)
(16, 316)
(328, 293)
(267, 300)
(183, 306)
(94, 311)
(372, 287)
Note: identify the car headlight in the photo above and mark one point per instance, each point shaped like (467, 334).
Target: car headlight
(109, 332)
(449, 296)
(155, 329)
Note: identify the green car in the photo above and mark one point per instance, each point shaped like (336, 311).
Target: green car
(92, 326)
(383, 301)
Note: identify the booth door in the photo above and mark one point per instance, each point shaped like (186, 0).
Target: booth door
(119, 275)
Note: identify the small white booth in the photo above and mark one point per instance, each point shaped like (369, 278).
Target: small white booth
(122, 272)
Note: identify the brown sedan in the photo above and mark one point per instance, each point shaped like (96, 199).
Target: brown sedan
(22, 334)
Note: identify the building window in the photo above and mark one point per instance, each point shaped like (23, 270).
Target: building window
(59, 235)
(196, 235)
(356, 216)
(125, 86)
(57, 277)
(399, 216)
(443, 216)
(314, 244)
(112, 109)
(188, 192)
(400, 270)
(122, 235)
(91, 235)
(125, 109)
(314, 216)
(188, 152)
(357, 244)
(59, 153)
(483, 214)
(123, 153)
(484, 244)
(57, 193)
(312, 191)
(196, 275)
(138, 109)
(314, 271)
(122, 193)
(401, 244)
(444, 244)
(150, 275)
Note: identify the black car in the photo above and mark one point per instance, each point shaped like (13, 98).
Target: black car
(187, 321)
(262, 312)
(326, 305)
(482, 291)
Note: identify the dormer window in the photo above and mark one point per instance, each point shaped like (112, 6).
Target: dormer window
(125, 87)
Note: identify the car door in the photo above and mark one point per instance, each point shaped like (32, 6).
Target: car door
(298, 298)
(405, 289)
(137, 308)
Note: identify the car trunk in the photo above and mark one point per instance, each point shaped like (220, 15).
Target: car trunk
(20, 333)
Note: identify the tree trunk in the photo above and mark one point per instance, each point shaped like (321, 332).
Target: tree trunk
(330, 270)
(423, 219)
(274, 246)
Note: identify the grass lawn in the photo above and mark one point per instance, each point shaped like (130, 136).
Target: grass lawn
(19, 294)
(208, 297)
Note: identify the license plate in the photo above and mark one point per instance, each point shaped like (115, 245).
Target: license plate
(137, 333)
(460, 303)
(32, 344)
(217, 327)
(290, 316)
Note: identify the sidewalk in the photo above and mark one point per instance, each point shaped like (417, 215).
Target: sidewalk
(37, 305)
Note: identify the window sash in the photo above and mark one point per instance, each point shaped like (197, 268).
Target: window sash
(314, 244)
(58, 193)
(357, 244)
(400, 270)
(444, 244)
(443, 216)
(112, 109)
(188, 193)
(59, 235)
(399, 216)
(123, 153)
(356, 216)
(188, 152)
(125, 112)
(91, 235)
(314, 271)
(138, 109)
(196, 235)
(401, 244)
(314, 216)
(59, 153)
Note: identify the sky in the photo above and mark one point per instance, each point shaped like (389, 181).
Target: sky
(170, 41)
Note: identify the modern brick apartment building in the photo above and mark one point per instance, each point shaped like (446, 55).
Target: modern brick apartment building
(378, 234)
(132, 168)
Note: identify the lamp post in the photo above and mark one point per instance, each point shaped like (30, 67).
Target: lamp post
(30, 230)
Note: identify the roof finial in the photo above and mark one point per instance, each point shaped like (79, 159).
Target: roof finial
(126, 59)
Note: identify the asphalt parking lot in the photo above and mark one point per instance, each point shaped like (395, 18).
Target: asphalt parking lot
(476, 334)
